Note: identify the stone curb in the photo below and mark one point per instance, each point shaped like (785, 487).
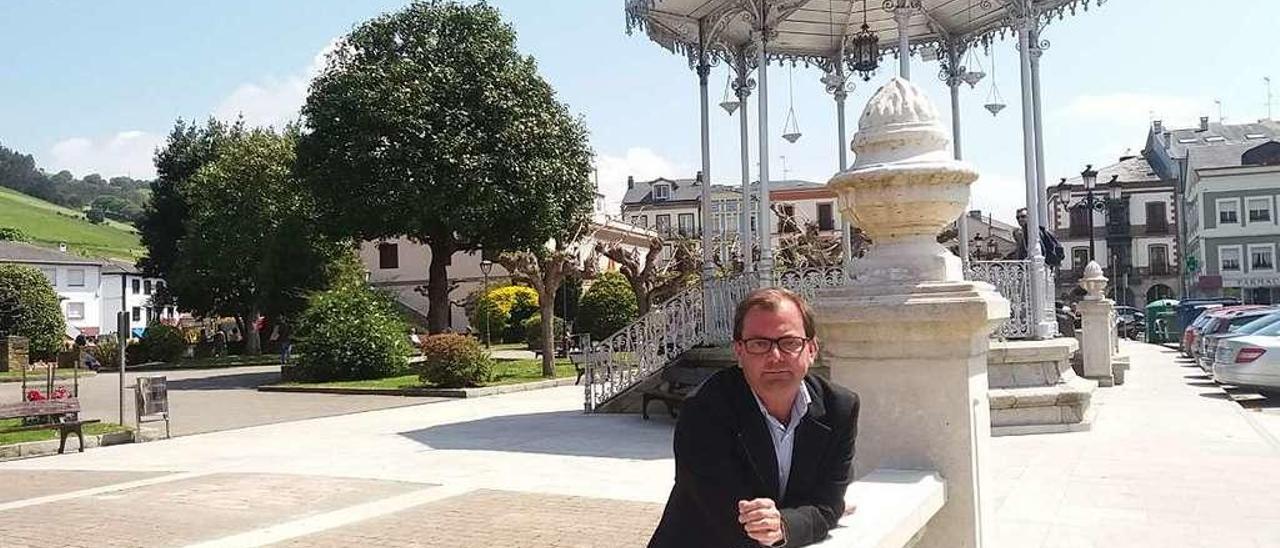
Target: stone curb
(33, 380)
(50, 447)
(424, 392)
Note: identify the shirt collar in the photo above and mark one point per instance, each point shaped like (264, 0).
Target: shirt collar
(799, 407)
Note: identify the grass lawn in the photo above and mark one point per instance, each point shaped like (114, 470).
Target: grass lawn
(39, 376)
(504, 372)
(51, 434)
(48, 224)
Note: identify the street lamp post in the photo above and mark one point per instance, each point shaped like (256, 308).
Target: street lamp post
(486, 266)
(1090, 202)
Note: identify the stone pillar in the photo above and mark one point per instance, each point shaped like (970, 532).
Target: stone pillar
(909, 334)
(1096, 326)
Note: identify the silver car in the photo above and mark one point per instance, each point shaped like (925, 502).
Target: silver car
(1251, 361)
(1244, 324)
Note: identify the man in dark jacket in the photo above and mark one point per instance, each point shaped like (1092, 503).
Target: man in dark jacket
(763, 451)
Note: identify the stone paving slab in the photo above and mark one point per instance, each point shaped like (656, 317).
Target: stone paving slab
(186, 511)
(493, 518)
(28, 484)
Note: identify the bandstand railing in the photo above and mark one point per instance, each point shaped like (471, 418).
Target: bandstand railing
(703, 315)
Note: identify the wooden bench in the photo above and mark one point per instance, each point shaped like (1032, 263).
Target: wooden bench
(676, 384)
(63, 415)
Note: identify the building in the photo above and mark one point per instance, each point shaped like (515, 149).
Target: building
(1228, 177)
(89, 290)
(989, 239)
(1134, 231)
(671, 207)
(400, 266)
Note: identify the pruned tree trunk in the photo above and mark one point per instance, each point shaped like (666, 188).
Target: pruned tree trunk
(252, 341)
(438, 287)
(547, 304)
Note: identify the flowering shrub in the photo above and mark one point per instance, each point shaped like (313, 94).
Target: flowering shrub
(58, 393)
(453, 361)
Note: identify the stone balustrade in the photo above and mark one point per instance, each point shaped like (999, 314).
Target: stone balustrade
(887, 509)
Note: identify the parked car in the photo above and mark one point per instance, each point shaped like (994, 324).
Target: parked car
(1130, 322)
(1251, 361)
(1189, 334)
(1214, 323)
(1224, 327)
(1189, 309)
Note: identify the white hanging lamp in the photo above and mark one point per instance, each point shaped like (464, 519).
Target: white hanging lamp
(971, 70)
(791, 129)
(995, 103)
(730, 102)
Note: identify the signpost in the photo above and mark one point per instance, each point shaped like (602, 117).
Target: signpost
(151, 400)
(122, 333)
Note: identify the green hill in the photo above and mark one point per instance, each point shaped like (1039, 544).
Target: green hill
(47, 224)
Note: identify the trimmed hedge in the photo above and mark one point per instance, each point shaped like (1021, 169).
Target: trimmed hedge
(506, 308)
(607, 306)
(161, 343)
(451, 360)
(351, 332)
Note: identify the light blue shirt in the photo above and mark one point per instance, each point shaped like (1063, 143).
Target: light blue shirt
(784, 436)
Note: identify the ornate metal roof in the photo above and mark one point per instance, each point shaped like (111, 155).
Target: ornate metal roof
(813, 31)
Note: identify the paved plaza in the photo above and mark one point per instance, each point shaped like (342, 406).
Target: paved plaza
(208, 400)
(1171, 460)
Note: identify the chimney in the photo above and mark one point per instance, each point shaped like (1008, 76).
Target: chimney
(1157, 126)
(62, 246)
(631, 182)
(1204, 123)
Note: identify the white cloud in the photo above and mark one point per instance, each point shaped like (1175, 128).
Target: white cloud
(273, 101)
(639, 162)
(126, 153)
(1138, 109)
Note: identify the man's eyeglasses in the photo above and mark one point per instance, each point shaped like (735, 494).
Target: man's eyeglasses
(786, 345)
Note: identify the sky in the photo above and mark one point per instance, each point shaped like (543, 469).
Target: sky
(93, 87)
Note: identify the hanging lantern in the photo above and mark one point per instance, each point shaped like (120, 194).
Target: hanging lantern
(791, 129)
(972, 77)
(730, 102)
(995, 103)
(865, 52)
(995, 108)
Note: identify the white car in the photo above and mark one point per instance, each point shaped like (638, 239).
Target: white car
(1251, 361)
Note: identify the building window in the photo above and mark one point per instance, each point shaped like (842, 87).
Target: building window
(826, 217)
(75, 311)
(1228, 211)
(75, 277)
(137, 314)
(661, 192)
(388, 256)
(137, 286)
(1229, 258)
(1158, 259)
(662, 223)
(686, 224)
(1079, 258)
(1259, 209)
(146, 287)
(1262, 258)
(1080, 221)
(1157, 219)
(640, 221)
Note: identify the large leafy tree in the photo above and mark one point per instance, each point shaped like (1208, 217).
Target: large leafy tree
(188, 148)
(250, 246)
(429, 123)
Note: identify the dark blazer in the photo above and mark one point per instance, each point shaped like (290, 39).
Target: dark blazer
(724, 454)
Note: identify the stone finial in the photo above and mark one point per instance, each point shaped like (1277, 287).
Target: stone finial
(1093, 282)
(904, 188)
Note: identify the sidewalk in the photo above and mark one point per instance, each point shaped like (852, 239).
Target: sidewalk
(1170, 462)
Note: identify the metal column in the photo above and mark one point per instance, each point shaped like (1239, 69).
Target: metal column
(766, 214)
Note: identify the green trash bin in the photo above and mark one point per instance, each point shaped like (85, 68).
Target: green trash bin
(1161, 317)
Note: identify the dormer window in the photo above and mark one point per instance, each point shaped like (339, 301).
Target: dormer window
(662, 192)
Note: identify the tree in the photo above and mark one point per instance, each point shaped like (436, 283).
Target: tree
(545, 269)
(428, 123)
(29, 308)
(651, 278)
(607, 306)
(249, 246)
(163, 222)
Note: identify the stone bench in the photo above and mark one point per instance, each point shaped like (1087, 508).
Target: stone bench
(891, 507)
